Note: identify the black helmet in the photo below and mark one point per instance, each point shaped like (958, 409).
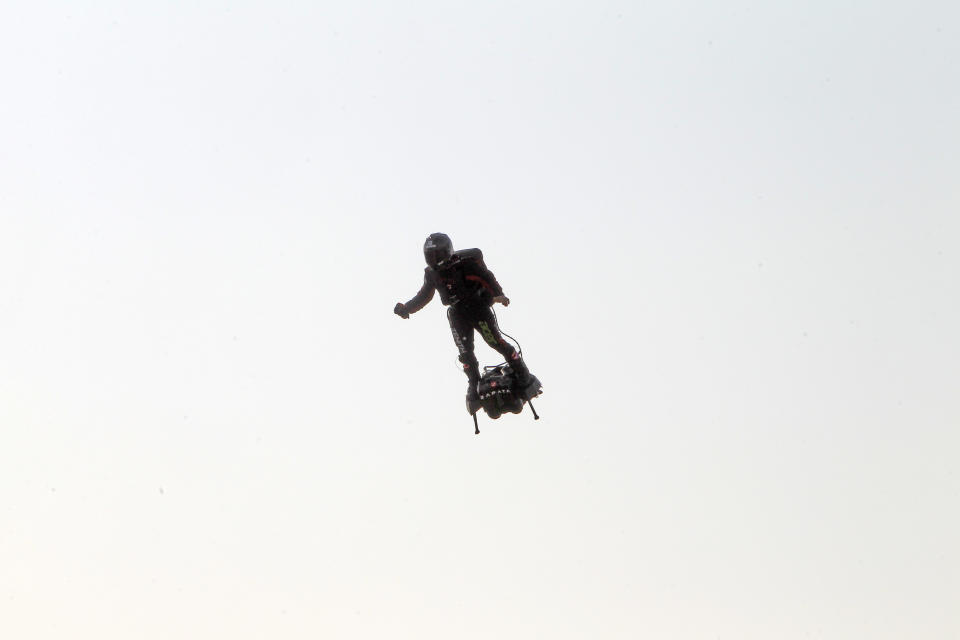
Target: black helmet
(437, 249)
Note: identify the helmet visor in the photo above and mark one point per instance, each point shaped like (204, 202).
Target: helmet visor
(436, 251)
(435, 256)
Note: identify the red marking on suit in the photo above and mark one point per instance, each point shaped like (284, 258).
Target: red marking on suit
(486, 285)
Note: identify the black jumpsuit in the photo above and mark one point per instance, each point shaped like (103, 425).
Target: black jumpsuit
(468, 288)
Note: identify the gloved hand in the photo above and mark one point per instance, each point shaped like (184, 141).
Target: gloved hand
(401, 311)
(504, 300)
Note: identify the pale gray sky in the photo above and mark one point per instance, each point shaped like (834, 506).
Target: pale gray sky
(731, 237)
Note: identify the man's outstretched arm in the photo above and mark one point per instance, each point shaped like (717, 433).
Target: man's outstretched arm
(418, 301)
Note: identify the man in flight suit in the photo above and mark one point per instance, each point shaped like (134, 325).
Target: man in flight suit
(468, 289)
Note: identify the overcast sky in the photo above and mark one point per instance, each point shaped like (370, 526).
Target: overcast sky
(731, 239)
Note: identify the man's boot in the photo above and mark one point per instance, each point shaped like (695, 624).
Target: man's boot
(473, 394)
(527, 386)
(520, 371)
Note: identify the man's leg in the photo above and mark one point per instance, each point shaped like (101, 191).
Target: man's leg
(486, 324)
(462, 331)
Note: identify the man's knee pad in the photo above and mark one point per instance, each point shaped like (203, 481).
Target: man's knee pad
(470, 367)
(468, 359)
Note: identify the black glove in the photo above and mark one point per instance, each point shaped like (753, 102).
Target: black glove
(401, 310)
